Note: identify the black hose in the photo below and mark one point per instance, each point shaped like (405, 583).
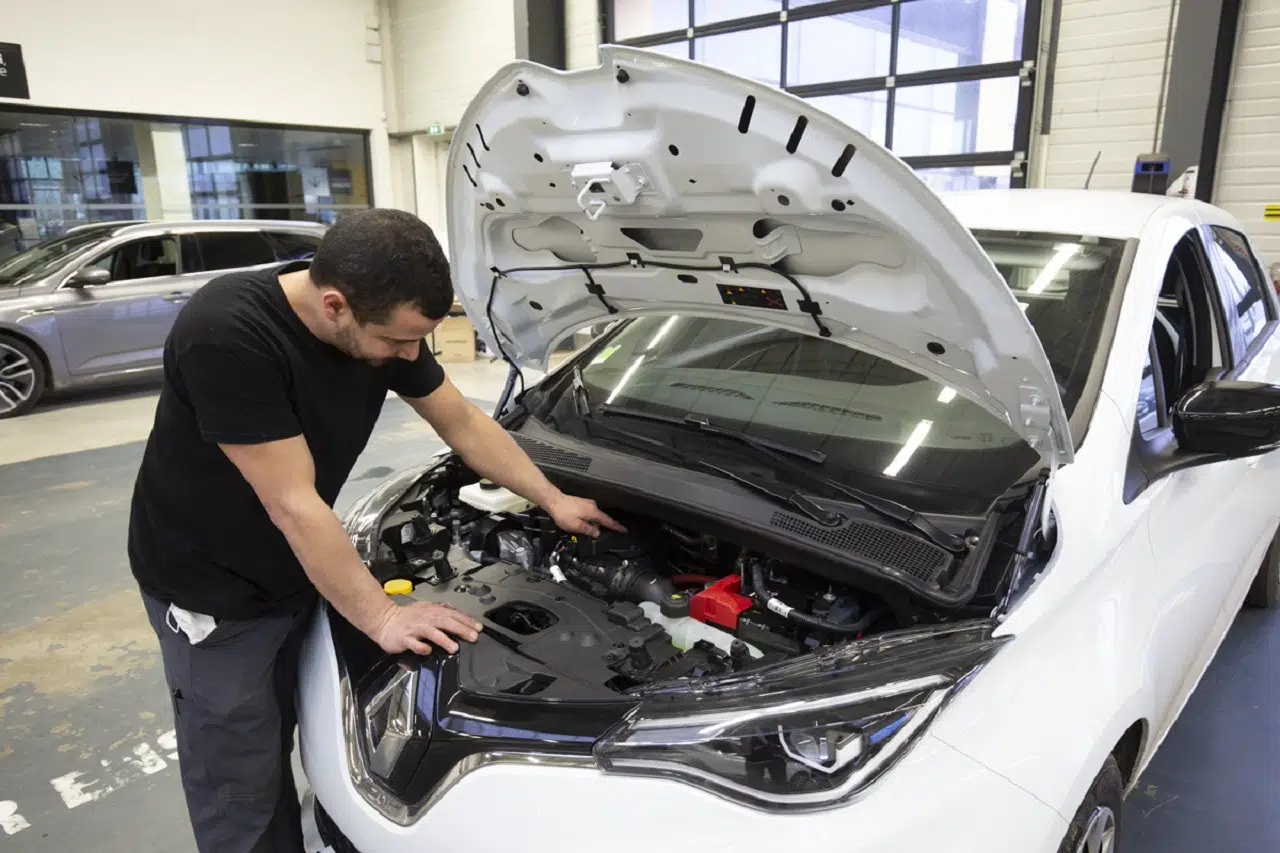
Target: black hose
(768, 602)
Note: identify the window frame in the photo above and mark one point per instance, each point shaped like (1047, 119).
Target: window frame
(1023, 69)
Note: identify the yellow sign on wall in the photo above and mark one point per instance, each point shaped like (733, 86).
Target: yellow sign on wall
(1271, 213)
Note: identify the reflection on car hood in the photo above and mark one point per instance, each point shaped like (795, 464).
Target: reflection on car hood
(606, 178)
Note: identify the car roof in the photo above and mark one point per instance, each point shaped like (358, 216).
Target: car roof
(187, 225)
(1099, 213)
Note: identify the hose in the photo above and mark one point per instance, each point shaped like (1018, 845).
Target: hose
(768, 602)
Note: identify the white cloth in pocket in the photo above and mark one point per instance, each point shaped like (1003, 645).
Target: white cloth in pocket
(196, 626)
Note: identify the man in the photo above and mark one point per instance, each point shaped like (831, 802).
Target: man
(273, 382)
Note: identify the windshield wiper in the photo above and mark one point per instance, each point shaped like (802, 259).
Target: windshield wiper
(789, 497)
(702, 424)
(581, 397)
(883, 507)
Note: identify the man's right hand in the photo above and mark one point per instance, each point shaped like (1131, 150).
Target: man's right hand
(415, 627)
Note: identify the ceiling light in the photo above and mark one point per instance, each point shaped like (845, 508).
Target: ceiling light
(666, 327)
(1062, 254)
(948, 394)
(626, 377)
(31, 124)
(908, 448)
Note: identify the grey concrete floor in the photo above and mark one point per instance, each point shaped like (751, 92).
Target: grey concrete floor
(85, 763)
(84, 756)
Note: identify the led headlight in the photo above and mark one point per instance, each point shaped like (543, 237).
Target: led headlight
(393, 734)
(361, 520)
(806, 734)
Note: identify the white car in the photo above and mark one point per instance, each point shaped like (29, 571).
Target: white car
(938, 508)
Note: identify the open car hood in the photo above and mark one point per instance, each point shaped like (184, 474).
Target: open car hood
(577, 193)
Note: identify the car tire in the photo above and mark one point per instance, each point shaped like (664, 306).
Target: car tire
(1266, 585)
(23, 377)
(1096, 826)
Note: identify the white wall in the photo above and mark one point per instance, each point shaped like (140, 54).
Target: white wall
(1106, 91)
(582, 33)
(300, 62)
(445, 50)
(1248, 175)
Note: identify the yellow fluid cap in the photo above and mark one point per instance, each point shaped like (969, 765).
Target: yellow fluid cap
(398, 587)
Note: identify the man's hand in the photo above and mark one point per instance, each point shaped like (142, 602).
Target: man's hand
(412, 627)
(580, 515)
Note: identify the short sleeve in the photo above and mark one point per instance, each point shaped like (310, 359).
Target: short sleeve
(239, 394)
(418, 378)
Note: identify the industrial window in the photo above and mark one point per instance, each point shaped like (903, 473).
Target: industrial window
(946, 85)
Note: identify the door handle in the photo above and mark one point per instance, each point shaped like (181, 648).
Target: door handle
(176, 296)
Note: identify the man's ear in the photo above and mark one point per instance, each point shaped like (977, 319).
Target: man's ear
(335, 305)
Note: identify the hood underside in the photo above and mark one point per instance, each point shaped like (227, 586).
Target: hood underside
(652, 185)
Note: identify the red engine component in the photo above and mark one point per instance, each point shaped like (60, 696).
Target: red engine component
(721, 603)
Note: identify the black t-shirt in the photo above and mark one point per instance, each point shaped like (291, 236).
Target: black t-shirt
(240, 367)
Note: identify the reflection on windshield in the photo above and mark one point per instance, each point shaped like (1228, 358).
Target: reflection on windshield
(881, 426)
(44, 258)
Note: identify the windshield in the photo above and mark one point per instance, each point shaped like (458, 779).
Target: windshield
(882, 427)
(44, 258)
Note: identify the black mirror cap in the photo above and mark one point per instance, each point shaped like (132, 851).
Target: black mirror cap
(89, 277)
(1228, 418)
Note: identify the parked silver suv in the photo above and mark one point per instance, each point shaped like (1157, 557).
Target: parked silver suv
(98, 302)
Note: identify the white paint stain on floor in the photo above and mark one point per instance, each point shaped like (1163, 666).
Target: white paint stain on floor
(10, 821)
(80, 787)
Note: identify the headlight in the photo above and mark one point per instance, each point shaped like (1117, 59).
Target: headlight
(856, 709)
(361, 520)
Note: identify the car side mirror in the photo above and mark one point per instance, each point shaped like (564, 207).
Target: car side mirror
(89, 277)
(1228, 418)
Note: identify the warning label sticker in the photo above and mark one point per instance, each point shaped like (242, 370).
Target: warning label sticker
(1271, 213)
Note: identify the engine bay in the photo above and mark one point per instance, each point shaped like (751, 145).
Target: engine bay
(593, 618)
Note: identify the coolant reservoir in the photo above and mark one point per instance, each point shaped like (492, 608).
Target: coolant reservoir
(685, 632)
(490, 497)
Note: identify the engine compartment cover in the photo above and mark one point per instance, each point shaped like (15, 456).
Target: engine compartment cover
(543, 638)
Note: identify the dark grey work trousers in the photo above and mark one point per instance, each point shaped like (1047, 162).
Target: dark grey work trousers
(234, 714)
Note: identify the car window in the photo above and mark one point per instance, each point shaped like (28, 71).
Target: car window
(191, 261)
(291, 246)
(44, 258)
(1243, 288)
(1063, 284)
(877, 422)
(150, 257)
(225, 250)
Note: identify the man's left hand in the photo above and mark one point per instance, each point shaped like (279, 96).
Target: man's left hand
(580, 515)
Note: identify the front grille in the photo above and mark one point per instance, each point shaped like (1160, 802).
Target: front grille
(884, 546)
(547, 454)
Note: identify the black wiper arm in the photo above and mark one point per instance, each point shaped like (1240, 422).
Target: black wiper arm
(788, 497)
(581, 398)
(700, 423)
(704, 425)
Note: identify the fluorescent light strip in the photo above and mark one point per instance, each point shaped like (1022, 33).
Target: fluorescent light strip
(948, 394)
(666, 327)
(1063, 253)
(908, 448)
(626, 377)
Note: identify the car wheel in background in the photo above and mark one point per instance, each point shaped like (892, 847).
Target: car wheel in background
(22, 377)
(1096, 826)
(1266, 586)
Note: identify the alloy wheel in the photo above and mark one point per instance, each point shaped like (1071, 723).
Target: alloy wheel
(1100, 834)
(17, 378)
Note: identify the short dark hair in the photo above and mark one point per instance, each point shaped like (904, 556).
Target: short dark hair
(381, 259)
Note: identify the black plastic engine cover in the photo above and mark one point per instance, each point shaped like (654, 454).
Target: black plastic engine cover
(548, 640)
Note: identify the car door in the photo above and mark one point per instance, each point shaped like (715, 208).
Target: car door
(1250, 319)
(122, 324)
(1203, 521)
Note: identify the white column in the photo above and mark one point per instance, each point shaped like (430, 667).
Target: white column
(166, 187)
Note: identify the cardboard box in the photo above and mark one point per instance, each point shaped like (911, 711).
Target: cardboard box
(455, 340)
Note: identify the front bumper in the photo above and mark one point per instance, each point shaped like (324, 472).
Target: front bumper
(935, 799)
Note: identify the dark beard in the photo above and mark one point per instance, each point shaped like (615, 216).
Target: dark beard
(347, 344)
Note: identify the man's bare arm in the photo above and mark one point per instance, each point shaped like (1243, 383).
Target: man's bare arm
(491, 452)
(282, 474)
